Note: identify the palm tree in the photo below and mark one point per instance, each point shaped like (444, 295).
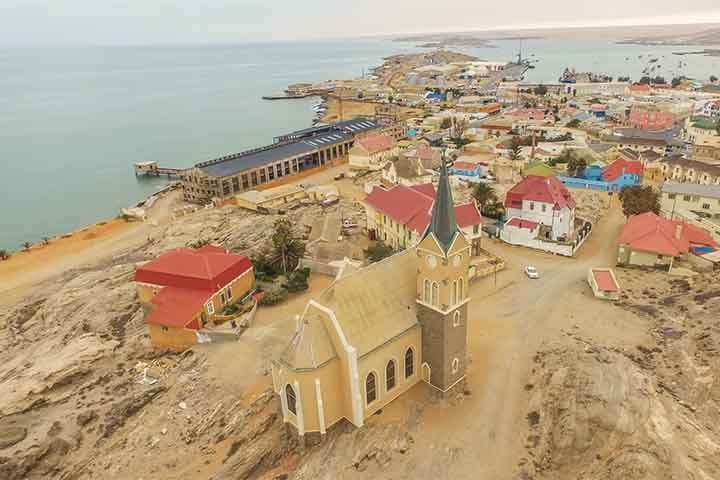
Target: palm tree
(484, 194)
(287, 249)
(27, 246)
(4, 254)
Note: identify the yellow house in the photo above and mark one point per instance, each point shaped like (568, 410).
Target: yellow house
(183, 290)
(378, 331)
(271, 199)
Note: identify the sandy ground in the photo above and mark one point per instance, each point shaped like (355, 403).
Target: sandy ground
(355, 108)
(80, 248)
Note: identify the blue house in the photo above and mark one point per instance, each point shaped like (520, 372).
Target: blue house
(470, 170)
(613, 178)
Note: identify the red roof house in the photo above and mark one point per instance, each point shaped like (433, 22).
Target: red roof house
(376, 143)
(540, 189)
(184, 287)
(651, 233)
(621, 167)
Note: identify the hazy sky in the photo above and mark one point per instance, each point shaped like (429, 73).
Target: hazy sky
(93, 22)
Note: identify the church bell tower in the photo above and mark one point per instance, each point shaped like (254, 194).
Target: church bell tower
(442, 293)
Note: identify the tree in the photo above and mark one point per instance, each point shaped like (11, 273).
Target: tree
(658, 80)
(378, 251)
(677, 81)
(446, 123)
(576, 165)
(4, 254)
(484, 194)
(515, 150)
(26, 246)
(298, 280)
(713, 79)
(645, 80)
(541, 90)
(638, 199)
(287, 250)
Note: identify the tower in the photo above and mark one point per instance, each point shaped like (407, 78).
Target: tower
(442, 284)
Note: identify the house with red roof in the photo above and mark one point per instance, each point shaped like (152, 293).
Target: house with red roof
(185, 289)
(648, 240)
(538, 208)
(372, 152)
(400, 215)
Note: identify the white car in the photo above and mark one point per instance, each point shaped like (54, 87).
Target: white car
(532, 272)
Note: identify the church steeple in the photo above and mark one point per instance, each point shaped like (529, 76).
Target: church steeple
(443, 224)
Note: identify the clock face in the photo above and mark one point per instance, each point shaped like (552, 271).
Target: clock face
(456, 260)
(431, 261)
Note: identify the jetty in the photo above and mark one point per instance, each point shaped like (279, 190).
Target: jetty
(152, 169)
(287, 96)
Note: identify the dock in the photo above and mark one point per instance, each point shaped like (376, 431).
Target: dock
(152, 169)
(285, 96)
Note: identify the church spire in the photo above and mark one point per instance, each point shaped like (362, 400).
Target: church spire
(443, 224)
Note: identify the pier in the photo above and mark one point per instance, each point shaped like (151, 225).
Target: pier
(152, 169)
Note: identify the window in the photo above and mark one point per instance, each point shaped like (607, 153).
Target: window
(370, 394)
(435, 294)
(686, 198)
(456, 319)
(706, 206)
(476, 228)
(390, 375)
(455, 365)
(426, 293)
(461, 289)
(671, 196)
(409, 366)
(455, 292)
(532, 206)
(290, 397)
(544, 207)
(210, 307)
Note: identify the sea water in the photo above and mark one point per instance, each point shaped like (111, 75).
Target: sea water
(74, 120)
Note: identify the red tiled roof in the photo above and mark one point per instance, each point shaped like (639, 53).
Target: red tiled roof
(376, 143)
(620, 166)
(411, 206)
(208, 268)
(177, 307)
(650, 233)
(522, 223)
(540, 189)
(605, 281)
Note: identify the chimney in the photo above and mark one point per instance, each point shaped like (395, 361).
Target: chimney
(678, 230)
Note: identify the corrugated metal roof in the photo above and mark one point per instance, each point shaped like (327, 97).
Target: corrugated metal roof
(709, 191)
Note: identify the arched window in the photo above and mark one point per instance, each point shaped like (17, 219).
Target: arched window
(426, 295)
(456, 319)
(435, 294)
(455, 292)
(455, 365)
(409, 365)
(461, 289)
(290, 397)
(390, 375)
(370, 393)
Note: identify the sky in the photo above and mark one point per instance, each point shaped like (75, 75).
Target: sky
(30, 23)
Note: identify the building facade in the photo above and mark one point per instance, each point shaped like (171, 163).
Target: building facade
(295, 152)
(372, 152)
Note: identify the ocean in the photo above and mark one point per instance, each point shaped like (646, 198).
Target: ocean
(74, 120)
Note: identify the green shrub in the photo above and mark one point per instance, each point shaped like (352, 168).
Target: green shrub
(274, 296)
(298, 280)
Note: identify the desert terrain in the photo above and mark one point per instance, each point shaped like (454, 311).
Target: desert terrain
(560, 385)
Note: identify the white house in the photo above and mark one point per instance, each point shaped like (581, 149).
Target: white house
(541, 208)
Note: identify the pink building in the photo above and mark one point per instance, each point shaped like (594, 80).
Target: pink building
(651, 118)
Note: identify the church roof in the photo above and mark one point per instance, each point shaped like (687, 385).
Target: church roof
(442, 223)
(375, 304)
(311, 346)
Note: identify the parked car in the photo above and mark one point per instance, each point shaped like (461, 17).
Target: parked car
(532, 272)
(339, 176)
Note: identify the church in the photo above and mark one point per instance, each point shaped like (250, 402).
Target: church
(377, 331)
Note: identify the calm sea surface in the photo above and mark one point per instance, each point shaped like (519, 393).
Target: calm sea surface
(73, 121)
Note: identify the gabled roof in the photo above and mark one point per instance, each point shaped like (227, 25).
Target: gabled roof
(310, 346)
(706, 191)
(209, 268)
(375, 304)
(649, 232)
(540, 189)
(518, 222)
(605, 280)
(177, 307)
(466, 166)
(620, 167)
(411, 206)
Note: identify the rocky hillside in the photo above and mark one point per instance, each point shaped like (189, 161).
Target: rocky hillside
(600, 412)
